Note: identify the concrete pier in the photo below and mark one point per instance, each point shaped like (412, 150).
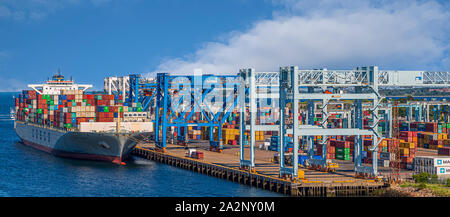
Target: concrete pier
(226, 166)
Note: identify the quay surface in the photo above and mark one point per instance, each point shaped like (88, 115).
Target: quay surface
(225, 165)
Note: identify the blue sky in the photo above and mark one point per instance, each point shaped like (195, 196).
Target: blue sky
(91, 39)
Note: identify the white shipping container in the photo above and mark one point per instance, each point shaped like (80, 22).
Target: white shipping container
(442, 162)
(111, 126)
(443, 170)
(432, 170)
(433, 161)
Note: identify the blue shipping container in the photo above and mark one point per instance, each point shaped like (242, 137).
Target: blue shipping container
(301, 159)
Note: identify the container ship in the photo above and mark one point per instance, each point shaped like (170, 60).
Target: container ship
(58, 117)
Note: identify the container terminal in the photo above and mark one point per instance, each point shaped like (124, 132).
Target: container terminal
(298, 132)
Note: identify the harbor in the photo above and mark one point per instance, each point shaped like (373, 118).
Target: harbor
(294, 132)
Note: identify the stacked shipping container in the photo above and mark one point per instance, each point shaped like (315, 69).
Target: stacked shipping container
(70, 108)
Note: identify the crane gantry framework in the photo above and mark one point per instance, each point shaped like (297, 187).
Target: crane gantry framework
(359, 84)
(180, 97)
(290, 85)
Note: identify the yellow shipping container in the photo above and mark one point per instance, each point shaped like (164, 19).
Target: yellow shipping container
(301, 174)
(404, 151)
(407, 144)
(442, 136)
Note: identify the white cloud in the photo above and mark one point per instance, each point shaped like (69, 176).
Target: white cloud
(316, 34)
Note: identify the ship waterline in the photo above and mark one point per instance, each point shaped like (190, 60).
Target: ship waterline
(100, 146)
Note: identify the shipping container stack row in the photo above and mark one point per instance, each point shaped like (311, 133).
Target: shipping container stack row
(431, 127)
(429, 135)
(70, 108)
(194, 132)
(342, 148)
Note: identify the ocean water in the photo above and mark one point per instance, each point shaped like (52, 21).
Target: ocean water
(27, 172)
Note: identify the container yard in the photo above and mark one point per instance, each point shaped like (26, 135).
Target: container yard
(296, 132)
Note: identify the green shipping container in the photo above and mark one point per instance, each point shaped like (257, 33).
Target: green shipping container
(139, 109)
(39, 111)
(106, 109)
(342, 156)
(343, 150)
(120, 109)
